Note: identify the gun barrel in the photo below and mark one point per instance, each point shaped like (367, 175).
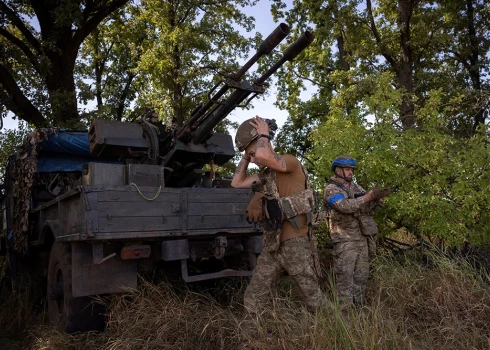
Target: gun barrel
(289, 54)
(239, 96)
(265, 48)
(219, 114)
(298, 46)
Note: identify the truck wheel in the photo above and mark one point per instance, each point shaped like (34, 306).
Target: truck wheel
(67, 313)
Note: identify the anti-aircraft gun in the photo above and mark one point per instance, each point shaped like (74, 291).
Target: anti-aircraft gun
(185, 150)
(90, 213)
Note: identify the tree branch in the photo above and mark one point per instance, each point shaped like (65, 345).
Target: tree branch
(124, 96)
(17, 22)
(331, 86)
(21, 45)
(13, 97)
(384, 50)
(458, 57)
(431, 36)
(94, 18)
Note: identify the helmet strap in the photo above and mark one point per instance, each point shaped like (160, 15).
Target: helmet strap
(343, 176)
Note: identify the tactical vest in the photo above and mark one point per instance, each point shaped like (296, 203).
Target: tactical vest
(301, 202)
(367, 224)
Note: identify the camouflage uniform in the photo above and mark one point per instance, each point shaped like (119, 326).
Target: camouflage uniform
(295, 256)
(353, 230)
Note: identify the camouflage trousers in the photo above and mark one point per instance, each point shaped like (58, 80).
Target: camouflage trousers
(351, 268)
(293, 257)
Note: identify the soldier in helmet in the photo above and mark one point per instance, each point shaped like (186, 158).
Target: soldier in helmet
(352, 229)
(287, 244)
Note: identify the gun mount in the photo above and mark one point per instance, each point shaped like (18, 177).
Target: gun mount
(184, 151)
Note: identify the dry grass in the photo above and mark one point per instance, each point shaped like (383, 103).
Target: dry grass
(20, 311)
(443, 305)
(436, 303)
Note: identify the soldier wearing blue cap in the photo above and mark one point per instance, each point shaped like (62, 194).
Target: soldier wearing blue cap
(352, 229)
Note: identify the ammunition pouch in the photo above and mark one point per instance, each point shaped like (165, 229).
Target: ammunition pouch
(368, 225)
(302, 202)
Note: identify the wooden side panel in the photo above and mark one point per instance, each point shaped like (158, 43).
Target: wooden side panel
(140, 224)
(218, 209)
(130, 211)
(174, 210)
(68, 213)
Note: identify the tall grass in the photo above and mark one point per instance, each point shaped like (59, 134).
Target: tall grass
(430, 303)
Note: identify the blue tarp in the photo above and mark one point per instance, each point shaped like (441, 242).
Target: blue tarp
(67, 142)
(66, 151)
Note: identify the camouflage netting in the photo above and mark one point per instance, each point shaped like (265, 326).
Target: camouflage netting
(23, 173)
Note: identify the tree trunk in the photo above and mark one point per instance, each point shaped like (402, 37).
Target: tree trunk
(178, 118)
(52, 51)
(61, 86)
(177, 91)
(123, 96)
(99, 70)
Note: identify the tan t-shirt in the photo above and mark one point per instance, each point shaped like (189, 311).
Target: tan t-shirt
(288, 183)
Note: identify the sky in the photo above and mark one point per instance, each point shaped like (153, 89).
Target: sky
(264, 24)
(265, 108)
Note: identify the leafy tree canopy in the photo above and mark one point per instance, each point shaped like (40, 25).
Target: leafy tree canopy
(403, 87)
(164, 54)
(40, 42)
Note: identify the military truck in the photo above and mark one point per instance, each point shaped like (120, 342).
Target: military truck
(88, 211)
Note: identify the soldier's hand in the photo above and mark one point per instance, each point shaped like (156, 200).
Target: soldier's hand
(254, 209)
(273, 214)
(261, 125)
(376, 193)
(258, 187)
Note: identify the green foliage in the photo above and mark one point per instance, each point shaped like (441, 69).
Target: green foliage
(446, 48)
(109, 60)
(162, 54)
(40, 42)
(10, 141)
(441, 183)
(403, 87)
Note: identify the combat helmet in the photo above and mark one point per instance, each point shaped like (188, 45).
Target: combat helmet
(246, 133)
(343, 162)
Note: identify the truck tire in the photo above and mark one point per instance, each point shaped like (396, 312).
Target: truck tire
(67, 313)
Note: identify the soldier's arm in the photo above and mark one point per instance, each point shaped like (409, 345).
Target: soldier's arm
(240, 178)
(366, 207)
(334, 198)
(264, 154)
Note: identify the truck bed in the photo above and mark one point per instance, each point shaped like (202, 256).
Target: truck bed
(102, 212)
